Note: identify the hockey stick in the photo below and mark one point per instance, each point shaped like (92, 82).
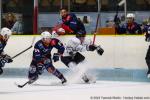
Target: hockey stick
(98, 16)
(97, 23)
(21, 86)
(25, 49)
(116, 19)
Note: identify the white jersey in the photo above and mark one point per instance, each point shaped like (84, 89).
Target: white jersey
(74, 45)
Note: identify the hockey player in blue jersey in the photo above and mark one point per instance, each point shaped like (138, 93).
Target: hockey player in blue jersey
(42, 57)
(71, 22)
(4, 58)
(131, 27)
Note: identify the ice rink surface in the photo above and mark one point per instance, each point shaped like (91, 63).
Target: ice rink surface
(51, 89)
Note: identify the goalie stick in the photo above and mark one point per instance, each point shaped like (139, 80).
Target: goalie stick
(25, 49)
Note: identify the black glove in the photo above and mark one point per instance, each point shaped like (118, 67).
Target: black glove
(100, 51)
(8, 59)
(92, 47)
(56, 57)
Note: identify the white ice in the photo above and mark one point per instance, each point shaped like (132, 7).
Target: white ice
(51, 89)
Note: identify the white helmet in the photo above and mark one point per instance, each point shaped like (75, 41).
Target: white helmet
(130, 15)
(46, 34)
(73, 42)
(5, 32)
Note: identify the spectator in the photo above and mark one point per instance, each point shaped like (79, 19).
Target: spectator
(85, 20)
(9, 20)
(130, 27)
(18, 26)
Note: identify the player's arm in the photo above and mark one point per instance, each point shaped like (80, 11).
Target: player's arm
(67, 20)
(1, 47)
(60, 49)
(37, 54)
(4, 58)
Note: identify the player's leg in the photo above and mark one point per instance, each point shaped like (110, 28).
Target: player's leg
(32, 74)
(1, 71)
(51, 69)
(147, 58)
(2, 64)
(72, 63)
(87, 77)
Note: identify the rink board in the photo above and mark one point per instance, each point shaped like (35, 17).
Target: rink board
(129, 75)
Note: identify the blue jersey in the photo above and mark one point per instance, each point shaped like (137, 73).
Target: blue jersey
(132, 28)
(2, 45)
(74, 24)
(146, 28)
(41, 51)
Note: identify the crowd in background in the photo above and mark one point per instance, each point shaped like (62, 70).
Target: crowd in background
(13, 19)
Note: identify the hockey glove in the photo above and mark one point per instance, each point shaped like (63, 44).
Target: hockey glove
(100, 51)
(8, 59)
(56, 57)
(92, 47)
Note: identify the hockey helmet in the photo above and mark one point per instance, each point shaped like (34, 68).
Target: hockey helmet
(46, 34)
(5, 32)
(130, 15)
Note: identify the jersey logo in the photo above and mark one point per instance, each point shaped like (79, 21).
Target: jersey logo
(36, 50)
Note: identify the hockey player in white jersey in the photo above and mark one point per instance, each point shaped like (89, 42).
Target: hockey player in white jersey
(72, 56)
